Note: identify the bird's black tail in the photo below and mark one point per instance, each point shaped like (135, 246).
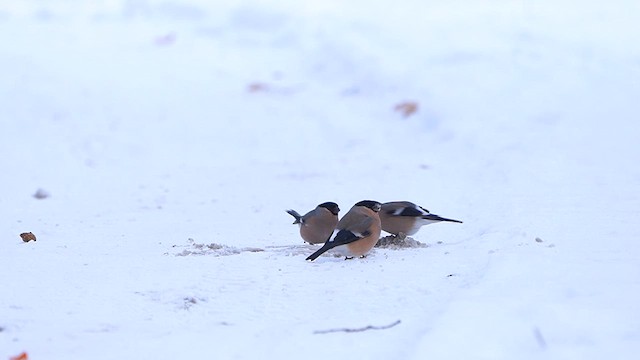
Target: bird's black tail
(319, 252)
(297, 216)
(434, 217)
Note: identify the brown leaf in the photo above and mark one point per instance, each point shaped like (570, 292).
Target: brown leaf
(407, 108)
(255, 87)
(22, 356)
(28, 236)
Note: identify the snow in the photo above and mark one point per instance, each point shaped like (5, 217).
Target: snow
(166, 139)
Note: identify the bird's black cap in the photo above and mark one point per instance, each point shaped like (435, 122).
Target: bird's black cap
(373, 205)
(331, 206)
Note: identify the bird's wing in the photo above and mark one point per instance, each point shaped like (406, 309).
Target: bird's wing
(411, 211)
(356, 230)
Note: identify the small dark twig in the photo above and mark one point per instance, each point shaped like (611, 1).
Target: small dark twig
(351, 330)
(539, 338)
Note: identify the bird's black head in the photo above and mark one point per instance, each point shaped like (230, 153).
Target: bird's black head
(331, 206)
(373, 205)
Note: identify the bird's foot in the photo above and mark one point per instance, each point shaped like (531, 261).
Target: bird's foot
(401, 236)
(348, 257)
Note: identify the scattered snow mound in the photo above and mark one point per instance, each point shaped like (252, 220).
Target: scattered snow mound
(394, 242)
(214, 249)
(293, 250)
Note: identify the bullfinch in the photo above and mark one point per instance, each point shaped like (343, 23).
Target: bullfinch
(316, 226)
(358, 231)
(403, 218)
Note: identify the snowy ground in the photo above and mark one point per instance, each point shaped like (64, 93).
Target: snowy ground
(158, 128)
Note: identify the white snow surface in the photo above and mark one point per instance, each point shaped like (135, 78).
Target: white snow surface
(170, 136)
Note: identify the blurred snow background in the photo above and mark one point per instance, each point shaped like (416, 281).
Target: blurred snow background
(149, 123)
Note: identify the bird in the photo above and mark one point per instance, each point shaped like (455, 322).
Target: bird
(317, 226)
(358, 231)
(402, 218)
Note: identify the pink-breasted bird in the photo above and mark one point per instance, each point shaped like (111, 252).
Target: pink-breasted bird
(358, 231)
(403, 218)
(316, 226)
